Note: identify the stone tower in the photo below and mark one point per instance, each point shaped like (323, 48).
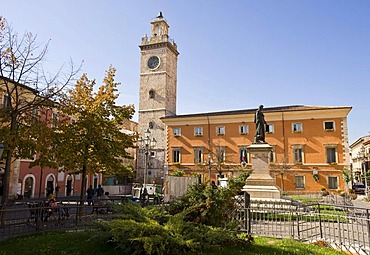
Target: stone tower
(158, 82)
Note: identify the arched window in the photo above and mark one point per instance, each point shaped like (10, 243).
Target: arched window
(151, 93)
(156, 30)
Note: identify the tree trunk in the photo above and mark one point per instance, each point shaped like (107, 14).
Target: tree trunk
(6, 183)
(82, 193)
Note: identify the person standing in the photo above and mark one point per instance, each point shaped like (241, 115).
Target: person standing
(99, 191)
(90, 195)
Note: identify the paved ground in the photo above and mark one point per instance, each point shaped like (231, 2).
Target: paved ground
(360, 202)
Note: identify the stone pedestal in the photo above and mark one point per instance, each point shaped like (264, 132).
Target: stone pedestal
(260, 184)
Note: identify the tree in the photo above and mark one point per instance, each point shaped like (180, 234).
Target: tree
(26, 88)
(92, 141)
(282, 168)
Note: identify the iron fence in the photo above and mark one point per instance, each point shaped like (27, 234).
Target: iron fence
(22, 218)
(342, 227)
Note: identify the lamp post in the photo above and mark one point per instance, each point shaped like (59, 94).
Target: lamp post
(147, 144)
(361, 156)
(2, 147)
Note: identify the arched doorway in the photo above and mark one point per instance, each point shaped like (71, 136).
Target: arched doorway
(28, 187)
(69, 185)
(49, 185)
(95, 182)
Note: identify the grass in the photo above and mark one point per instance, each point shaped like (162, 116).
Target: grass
(84, 242)
(307, 199)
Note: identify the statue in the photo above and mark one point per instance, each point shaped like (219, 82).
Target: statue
(259, 119)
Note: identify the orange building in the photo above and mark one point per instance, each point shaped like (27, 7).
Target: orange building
(310, 145)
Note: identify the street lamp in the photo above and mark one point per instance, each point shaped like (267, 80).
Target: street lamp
(361, 156)
(147, 144)
(2, 147)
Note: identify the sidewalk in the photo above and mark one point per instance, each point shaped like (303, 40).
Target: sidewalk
(360, 202)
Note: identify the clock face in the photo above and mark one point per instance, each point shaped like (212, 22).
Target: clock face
(153, 62)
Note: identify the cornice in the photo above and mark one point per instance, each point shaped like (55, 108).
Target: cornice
(212, 118)
(159, 45)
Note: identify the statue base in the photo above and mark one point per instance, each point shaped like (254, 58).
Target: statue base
(260, 184)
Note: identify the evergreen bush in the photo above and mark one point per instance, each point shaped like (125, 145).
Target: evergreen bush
(193, 222)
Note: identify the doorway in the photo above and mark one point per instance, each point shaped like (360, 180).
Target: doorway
(95, 181)
(69, 186)
(49, 186)
(28, 187)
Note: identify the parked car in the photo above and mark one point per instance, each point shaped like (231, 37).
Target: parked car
(359, 188)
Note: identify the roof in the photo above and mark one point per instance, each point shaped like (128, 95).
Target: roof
(265, 110)
(5, 79)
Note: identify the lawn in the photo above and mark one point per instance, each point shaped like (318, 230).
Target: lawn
(58, 243)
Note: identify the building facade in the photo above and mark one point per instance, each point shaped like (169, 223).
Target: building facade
(360, 157)
(37, 181)
(310, 145)
(157, 97)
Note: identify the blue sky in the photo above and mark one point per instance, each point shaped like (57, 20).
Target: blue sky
(233, 54)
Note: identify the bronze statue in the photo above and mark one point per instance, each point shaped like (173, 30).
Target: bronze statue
(259, 119)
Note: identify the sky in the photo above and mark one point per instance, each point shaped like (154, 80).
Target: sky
(233, 54)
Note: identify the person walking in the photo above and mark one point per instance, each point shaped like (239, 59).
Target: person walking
(99, 191)
(90, 195)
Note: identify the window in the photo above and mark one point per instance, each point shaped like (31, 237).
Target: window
(151, 125)
(298, 154)
(220, 154)
(198, 155)
(332, 182)
(5, 102)
(35, 113)
(177, 131)
(329, 126)
(270, 128)
(152, 154)
(331, 155)
(299, 182)
(54, 119)
(243, 129)
(176, 155)
(151, 93)
(220, 130)
(272, 155)
(198, 131)
(243, 155)
(297, 127)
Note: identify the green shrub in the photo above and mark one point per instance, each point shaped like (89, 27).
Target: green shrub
(178, 172)
(141, 237)
(129, 211)
(157, 213)
(206, 205)
(191, 223)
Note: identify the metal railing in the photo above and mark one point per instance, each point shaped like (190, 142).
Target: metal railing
(23, 218)
(342, 227)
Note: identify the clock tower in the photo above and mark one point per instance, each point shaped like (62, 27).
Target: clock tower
(157, 97)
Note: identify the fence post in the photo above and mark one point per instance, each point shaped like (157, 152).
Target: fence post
(320, 225)
(340, 230)
(247, 216)
(368, 224)
(298, 231)
(38, 215)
